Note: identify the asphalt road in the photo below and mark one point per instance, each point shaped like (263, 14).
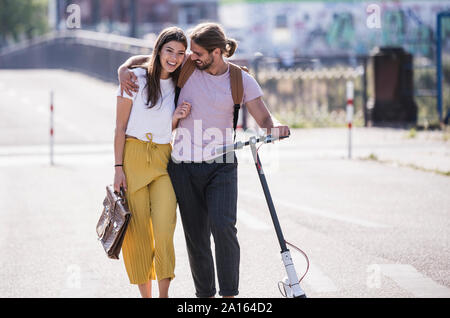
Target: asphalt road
(370, 228)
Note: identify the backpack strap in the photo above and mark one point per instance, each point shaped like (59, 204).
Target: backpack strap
(237, 88)
(186, 71)
(237, 91)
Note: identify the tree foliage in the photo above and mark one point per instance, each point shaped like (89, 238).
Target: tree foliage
(22, 19)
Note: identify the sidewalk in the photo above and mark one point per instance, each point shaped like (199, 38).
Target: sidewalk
(424, 150)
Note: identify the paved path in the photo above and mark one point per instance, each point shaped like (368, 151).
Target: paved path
(370, 229)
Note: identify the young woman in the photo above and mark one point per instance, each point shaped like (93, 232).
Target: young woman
(142, 149)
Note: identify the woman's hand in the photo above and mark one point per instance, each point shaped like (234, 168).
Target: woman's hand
(182, 111)
(119, 180)
(127, 81)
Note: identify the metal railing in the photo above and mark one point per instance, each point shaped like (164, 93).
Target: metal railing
(96, 54)
(303, 97)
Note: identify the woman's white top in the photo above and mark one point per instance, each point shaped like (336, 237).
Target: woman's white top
(156, 120)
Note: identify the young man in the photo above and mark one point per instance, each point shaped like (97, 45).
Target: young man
(205, 185)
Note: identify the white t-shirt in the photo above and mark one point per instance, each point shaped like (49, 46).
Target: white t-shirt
(156, 120)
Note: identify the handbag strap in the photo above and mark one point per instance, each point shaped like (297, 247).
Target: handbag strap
(122, 196)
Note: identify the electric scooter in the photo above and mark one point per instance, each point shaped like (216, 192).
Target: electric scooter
(291, 283)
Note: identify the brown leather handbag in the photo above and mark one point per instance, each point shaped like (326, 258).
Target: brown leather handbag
(113, 222)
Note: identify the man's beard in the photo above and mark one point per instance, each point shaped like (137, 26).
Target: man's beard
(205, 65)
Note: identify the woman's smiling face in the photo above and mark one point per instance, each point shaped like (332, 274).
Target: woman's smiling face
(171, 56)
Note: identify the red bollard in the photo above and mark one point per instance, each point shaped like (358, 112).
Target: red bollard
(350, 111)
(52, 130)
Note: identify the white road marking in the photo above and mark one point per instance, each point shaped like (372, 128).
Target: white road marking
(62, 122)
(59, 149)
(86, 159)
(250, 221)
(64, 154)
(408, 278)
(68, 125)
(318, 281)
(25, 100)
(317, 212)
(11, 93)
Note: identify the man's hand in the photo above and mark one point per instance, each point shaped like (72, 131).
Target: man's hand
(280, 131)
(126, 77)
(127, 81)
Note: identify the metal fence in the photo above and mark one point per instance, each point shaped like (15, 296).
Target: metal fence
(313, 95)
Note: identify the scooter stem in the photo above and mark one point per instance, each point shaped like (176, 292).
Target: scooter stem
(294, 284)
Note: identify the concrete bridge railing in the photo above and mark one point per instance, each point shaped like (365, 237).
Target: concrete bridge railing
(96, 54)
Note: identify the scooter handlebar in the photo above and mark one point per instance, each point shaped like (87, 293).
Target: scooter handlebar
(239, 145)
(227, 148)
(279, 138)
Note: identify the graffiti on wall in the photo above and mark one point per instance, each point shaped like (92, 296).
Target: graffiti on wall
(333, 28)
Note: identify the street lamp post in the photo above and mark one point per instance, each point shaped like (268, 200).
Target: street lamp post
(132, 13)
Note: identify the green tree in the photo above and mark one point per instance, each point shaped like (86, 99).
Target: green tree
(22, 18)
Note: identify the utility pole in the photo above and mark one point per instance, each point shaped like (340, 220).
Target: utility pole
(58, 14)
(132, 14)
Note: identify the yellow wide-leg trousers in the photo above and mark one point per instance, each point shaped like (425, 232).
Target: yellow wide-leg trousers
(147, 249)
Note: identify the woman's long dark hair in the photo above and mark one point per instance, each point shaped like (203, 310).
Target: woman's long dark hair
(154, 65)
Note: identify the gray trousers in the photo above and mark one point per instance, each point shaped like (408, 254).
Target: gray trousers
(207, 199)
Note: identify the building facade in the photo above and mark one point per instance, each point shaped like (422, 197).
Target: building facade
(341, 27)
(134, 17)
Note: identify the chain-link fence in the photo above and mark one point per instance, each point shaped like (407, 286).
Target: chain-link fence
(312, 94)
(425, 83)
